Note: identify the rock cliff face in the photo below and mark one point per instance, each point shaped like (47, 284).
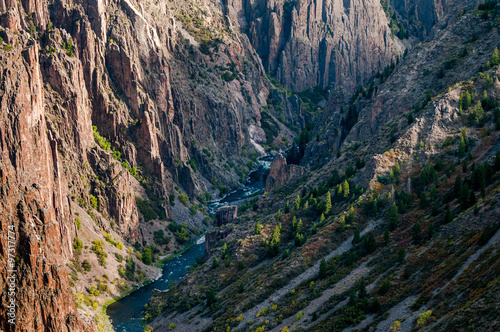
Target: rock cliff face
(423, 14)
(225, 215)
(93, 94)
(34, 194)
(433, 65)
(280, 173)
(327, 43)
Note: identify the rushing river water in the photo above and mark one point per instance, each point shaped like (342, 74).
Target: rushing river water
(126, 313)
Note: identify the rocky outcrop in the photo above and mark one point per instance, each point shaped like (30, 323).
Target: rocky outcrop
(225, 215)
(325, 43)
(213, 237)
(280, 173)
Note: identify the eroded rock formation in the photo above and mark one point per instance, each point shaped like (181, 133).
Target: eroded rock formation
(225, 215)
(327, 43)
(281, 173)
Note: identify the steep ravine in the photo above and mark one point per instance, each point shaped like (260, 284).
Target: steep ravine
(119, 118)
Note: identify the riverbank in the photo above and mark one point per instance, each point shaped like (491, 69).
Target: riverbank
(126, 312)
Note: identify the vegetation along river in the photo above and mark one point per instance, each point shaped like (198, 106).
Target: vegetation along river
(126, 313)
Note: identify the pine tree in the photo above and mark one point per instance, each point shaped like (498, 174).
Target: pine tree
(387, 237)
(393, 216)
(468, 100)
(457, 186)
(423, 200)
(328, 203)
(287, 207)
(461, 104)
(258, 228)
(345, 189)
(211, 298)
(278, 215)
(371, 243)
(339, 190)
(411, 119)
(299, 239)
(357, 237)
(417, 233)
(461, 147)
(397, 171)
(362, 289)
(448, 216)
(300, 227)
(401, 255)
(224, 252)
(495, 58)
(294, 224)
(274, 243)
(430, 232)
(477, 114)
(350, 214)
(322, 218)
(297, 203)
(323, 269)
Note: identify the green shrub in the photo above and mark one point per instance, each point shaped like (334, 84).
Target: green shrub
(117, 155)
(77, 244)
(147, 256)
(101, 141)
(93, 201)
(68, 47)
(133, 172)
(145, 208)
(192, 164)
(86, 265)
(258, 228)
(160, 238)
(181, 232)
(130, 269)
(98, 249)
(184, 199)
(192, 210)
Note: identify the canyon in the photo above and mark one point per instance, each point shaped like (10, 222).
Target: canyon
(121, 120)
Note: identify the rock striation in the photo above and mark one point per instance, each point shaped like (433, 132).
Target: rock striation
(326, 43)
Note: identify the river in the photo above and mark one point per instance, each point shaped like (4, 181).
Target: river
(125, 314)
